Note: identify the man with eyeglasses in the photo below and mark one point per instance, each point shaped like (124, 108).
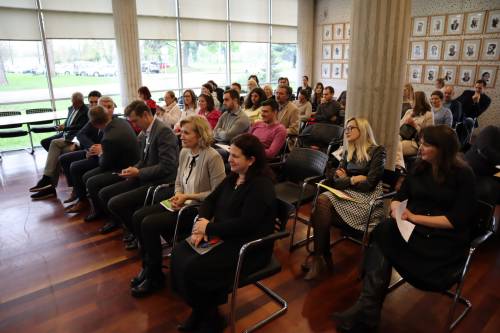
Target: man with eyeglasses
(329, 111)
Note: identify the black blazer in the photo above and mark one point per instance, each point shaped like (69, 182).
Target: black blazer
(88, 136)
(326, 111)
(159, 156)
(471, 109)
(120, 148)
(81, 118)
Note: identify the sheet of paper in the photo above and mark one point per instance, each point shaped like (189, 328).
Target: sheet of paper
(338, 193)
(405, 227)
(225, 147)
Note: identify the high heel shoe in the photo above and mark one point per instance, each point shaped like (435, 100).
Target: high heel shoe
(318, 266)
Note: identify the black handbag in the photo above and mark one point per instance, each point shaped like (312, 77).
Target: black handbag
(407, 132)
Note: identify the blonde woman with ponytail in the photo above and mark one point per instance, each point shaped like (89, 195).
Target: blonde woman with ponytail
(359, 174)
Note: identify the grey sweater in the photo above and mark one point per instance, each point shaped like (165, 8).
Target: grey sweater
(231, 124)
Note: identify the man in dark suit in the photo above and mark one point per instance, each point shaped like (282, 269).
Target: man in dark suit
(474, 103)
(157, 165)
(59, 144)
(119, 149)
(330, 111)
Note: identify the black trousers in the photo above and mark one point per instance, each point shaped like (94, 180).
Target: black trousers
(77, 171)
(65, 161)
(123, 199)
(46, 142)
(96, 180)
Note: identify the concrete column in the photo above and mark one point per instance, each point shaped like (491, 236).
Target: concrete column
(305, 40)
(127, 46)
(380, 31)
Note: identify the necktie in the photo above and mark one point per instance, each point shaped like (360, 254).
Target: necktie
(192, 164)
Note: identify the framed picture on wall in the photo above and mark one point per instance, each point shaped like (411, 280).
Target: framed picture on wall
(419, 26)
(336, 71)
(437, 25)
(431, 73)
(493, 22)
(327, 32)
(470, 49)
(415, 73)
(345, 71)
(337, 51)
(338, 31)
(488, 74)
(474, 23)
(417, 50)
(325, 71)
(327, 51)
(346, 51)
(449, 74)
(434, 49)
(454, 24)
(347, 31)
(466, 76)
(490, 49)
(451, 50)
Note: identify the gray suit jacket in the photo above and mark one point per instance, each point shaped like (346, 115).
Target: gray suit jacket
(119, 146)
(158, 159)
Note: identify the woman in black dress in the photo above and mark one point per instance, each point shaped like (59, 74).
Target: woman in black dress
(441, 201)
(240, 209)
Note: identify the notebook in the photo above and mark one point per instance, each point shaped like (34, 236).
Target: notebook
(204, 246)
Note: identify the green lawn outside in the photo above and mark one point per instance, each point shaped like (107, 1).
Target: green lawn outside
(30, 81)
(22, 141)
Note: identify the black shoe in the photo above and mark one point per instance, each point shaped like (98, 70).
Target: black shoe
(43, 184)
(92, 217)
(139, 278)
(128, 237)
(132, 245)
(108, 227)
(44, 194)
(192, 323)
(148, 286)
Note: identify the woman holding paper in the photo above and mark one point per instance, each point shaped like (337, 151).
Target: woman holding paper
(439, 196)
(200, 170)
(241, 209)
(358, 179)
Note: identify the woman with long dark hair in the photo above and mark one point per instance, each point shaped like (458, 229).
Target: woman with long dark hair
(206, 108)
(316, 98)
(419, 117)
(440, 199)
(253, 102)
(240, 209)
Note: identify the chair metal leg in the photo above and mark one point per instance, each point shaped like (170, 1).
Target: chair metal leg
(274, 297)
(457, 298)
(31, 140)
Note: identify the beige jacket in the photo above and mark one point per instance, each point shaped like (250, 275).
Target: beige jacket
(289, 117)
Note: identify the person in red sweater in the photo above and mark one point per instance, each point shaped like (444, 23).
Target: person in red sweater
(206, 109)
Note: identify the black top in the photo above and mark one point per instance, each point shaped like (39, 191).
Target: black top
(471, 109)
(77, 121)
(485, 153)
(372, 169)
(120, 148)
(240, 214)
(329, 112)
(456, 110)
(308, 89)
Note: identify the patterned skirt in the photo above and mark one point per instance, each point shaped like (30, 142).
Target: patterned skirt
(356, 213)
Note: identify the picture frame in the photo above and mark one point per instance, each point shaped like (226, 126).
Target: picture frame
(434, 49)
(336, 71)
(415, 73)
(419, 26)
(492, 75)
(454, 24)
(347, 48)
(437, 25)
(347, 31)
(474, 22)
(471, 49)
(337, 51)
(449, 74)
(493, 22)
(490, 50)
(327, 32)
(431, 73)
(325, 71)
(345, 71)
(327, 51)
(466, 76)
(417, 50)
(338, 31)
(451, 50)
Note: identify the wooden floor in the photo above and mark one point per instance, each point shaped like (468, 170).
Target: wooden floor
(58, 274)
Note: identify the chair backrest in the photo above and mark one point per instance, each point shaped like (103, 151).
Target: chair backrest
(302, 163)
(321, 134)
(484, 221)
(8, 114)
(41, 110)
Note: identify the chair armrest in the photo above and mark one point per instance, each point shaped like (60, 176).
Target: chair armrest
(159, 187)
(383, 196)
(480, 239)
(309, 180)
(179, 216)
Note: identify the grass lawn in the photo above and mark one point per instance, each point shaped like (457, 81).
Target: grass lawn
(22, 141)
(30, 81)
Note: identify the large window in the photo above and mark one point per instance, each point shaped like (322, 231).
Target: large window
(159, 64)
(284, 62)
(249, 58)
(203, 61)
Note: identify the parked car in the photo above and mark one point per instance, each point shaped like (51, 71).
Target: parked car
(64, 69)
(88, 68)
(150, 67)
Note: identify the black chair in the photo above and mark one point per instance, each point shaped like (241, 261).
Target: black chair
(300, 171)
(483, 229)
(44, 126)
(326, 137)
(12, 130)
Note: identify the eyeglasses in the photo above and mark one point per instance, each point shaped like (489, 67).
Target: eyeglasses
(349, 129)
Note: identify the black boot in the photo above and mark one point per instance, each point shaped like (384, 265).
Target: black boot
(193, 322)
(154, 280)
(137, 280)
(364, 315)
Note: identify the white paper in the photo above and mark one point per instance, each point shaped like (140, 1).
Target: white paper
(405, 227)
(225, 147)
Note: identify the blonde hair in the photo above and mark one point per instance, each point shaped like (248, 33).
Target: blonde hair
(365, 141)
(268, 86)
(411, 92)
(201, 127)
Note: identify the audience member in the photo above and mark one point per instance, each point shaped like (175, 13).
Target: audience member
(358, 174)
(304, 105)
(145, 95)
(236, 86)
(441, 197)
(442, 115)
(170, 113)
(253, 104)
(269, 91)
(316, 99)
(342, 100)
(474, 103)
(219, 92)
(283, 81)
(159, 152)
(252, 84)
(208, 89)
(408, 98)
(412, 123)
(270, 131)
(206, 108)
(59, 144)
(439, 84)
(255, 78)
(233, 122)
(242, 209)
(452, 104)
(190, 101)
(200, 171)
(329, 111)
(305, 86)
(288, 113)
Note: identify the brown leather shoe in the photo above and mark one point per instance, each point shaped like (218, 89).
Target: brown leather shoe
(77, 207)
(72, 197)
